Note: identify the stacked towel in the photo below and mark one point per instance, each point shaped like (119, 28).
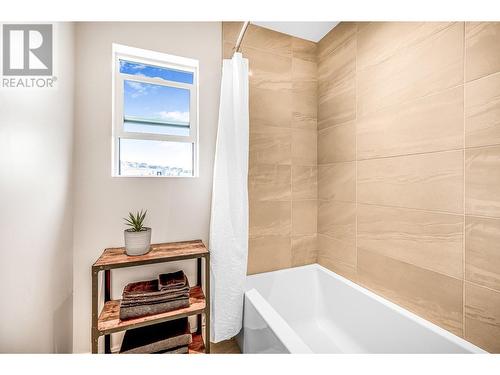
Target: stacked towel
(175, 281)
(171, 337)
(169, 292)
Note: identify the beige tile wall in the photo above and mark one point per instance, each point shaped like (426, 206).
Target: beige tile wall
(376, 153)
(283, 147)
(409, 168)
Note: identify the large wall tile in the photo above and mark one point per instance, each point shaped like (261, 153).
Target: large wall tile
(267, 70)
(304, 105)
(268, 253)
(427, 181)
(270, 107)
(433, 65)
(482, 55)
(268, 40)
(337, 181)
(337, 107)
(304, 147)
(269, 182)
(337, 86)
(304, 250)
(434, 296)
(430, 240)
(227, 50)
(336, 37)
(482, 317)
(337, 220)
(231, 30)
(379, 41)
(337, 143)
(304, 49)
(304, 217)
(482, 181)
(432, 123)
(331, 250)
(269, 218)
(482, 257)
(482, 111)
(270, 145)
(338, 69)
(258, 37)
(341, 268)
(304, 70)
(304, 182)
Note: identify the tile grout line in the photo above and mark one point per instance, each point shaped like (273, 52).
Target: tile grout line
(482, 286)
(435, 212)
(291, 160)
(464, 252)
(425, 268)
(356, 150)
(487, 75)
(318, 257)
(438, 212)
(413, 154)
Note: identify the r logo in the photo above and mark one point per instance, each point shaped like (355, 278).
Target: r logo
(27, 50)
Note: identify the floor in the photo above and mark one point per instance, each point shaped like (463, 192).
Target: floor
(225, 347)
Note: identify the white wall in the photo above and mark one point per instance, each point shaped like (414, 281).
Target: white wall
(36, 145)
(179, 209)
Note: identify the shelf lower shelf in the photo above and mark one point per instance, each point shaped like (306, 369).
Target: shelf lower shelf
(109, 319)
(196, 347)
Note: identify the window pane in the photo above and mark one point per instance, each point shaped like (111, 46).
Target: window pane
(155, 158)
(155, 109)
(152, 71)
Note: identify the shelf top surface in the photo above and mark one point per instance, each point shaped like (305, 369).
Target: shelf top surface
(109, 319)
(117, 258)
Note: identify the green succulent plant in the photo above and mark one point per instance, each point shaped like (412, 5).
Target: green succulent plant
(135, 222)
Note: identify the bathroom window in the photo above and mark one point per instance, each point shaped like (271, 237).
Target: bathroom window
(155, 114)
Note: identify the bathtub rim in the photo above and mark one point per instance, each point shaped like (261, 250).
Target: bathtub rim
(285, 334)
(473, 349)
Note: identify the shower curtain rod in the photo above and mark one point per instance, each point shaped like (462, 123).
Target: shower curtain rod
(240, 37)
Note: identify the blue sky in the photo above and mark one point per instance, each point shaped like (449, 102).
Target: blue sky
(156, 102)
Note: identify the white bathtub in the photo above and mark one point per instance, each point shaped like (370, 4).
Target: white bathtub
(313, 310)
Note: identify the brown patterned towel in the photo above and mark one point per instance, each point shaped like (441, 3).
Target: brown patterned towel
(153, 300)
(140, 310)
(172, 281)
(143, 290)
(155, 338)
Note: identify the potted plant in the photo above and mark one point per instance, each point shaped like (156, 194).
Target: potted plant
(137, 237)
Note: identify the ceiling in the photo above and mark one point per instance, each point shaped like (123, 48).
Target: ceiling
(312, 31)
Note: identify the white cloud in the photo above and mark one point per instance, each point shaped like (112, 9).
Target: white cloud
(139, 88)
(135, 85)
(174, 116)
(133, 66)
(138, 66)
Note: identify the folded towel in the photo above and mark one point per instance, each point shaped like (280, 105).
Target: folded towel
(140, 310)
(153, 300)
(172, 281)
(149, 289)
(156, 338)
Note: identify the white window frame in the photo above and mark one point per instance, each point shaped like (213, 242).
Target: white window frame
(132, 54)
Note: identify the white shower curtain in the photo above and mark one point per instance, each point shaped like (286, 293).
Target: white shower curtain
(229, 218)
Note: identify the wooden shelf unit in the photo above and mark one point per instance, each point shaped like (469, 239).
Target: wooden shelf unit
(108, 320)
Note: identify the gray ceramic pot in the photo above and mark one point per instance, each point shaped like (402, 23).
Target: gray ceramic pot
(137, 243)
